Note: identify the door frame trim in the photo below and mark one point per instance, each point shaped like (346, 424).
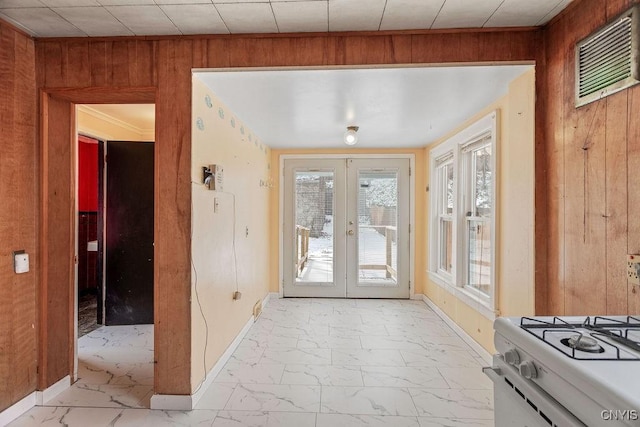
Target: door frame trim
(66, 317)
(412, 186)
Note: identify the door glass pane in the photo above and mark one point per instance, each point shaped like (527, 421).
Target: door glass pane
(479, 263)
(377, 228)
(314, 242)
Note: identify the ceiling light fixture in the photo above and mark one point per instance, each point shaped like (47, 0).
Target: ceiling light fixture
(351, 136)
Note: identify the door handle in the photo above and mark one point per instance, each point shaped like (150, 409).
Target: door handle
(350, 232)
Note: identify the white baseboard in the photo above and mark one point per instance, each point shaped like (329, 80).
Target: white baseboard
(49, 393)
(269, 297)
(180, 402)
(416, 297)
(17, 409)
(482, 352)
(37, 398)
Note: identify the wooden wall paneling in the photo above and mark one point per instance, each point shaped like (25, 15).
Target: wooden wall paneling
(250, 52)
(616, 7)
(106, 95)
(173, 220)
(99, 52)
(633, 186)
(121, 67)
(541, 281)
(54, 60)
(585, 225)
(76, 64)
(584, 154)
(200, 54)
(616, 203)
(481, 46)
(18, 211)
(336, 53)
(23, 205)
(441, 48)
(145, 73)
(378, 49)
(302, 51)
(57, 241)
(218, 53)
(555, 176)
(507, 46)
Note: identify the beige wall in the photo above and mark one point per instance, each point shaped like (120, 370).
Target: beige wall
(419, 207)
(106, 128)
(225, 140)
(514, 216)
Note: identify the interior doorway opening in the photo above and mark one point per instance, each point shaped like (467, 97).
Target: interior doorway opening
(114, 250)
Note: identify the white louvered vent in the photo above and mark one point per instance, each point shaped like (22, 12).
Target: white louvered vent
(607, 61)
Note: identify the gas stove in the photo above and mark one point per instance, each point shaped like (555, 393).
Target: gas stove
(582, 370)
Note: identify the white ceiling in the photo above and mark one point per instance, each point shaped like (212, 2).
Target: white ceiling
(81, 18)
(394, 107)
(140, 117)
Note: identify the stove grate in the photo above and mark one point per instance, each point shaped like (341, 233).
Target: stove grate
(602, 329)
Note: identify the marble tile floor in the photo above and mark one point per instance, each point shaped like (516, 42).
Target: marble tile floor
(305, 362)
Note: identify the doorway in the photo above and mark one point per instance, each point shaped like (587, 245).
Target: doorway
(115, 228)
(346, 228)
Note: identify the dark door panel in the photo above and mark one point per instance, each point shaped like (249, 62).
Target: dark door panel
(129, 233)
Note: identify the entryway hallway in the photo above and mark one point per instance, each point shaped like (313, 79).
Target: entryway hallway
(325, 363)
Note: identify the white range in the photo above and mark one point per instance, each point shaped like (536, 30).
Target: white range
(567, 371)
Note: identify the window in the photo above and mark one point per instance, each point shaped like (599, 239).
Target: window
(463, 216)
(445, 214)
(478, 202)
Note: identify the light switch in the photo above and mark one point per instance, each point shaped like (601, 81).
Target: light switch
(20, 262)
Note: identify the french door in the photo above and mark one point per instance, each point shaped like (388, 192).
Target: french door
(346, 228)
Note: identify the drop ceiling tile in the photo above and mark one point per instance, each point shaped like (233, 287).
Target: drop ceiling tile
(69, 3)
(301, 16)
(196, 18)
(10, 4)
(125, 2)
(144, 20)
(95, 21)
(239, 1)
(410, 14)
(513, 13)
(43, 22)
(465, 13)
(559, 8)
(244, 18)
(177, 2)
(355, 15)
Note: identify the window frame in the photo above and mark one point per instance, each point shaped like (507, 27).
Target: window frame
(483, 131)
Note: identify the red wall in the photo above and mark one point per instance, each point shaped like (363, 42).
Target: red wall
(87, 174)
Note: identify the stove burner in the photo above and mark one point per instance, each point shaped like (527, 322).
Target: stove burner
(582, 343)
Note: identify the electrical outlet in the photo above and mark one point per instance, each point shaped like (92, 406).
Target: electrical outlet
(633, 269)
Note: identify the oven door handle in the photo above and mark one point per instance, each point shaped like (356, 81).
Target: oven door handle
(494, 373)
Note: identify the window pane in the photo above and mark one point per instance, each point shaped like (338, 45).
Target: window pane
(313, 256)
(482, 182)
(377, 228)
(446, 245)
(448, 175)
(479, 259)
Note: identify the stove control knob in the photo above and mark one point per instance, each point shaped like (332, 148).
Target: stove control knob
(512, 357)
(528, 370)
